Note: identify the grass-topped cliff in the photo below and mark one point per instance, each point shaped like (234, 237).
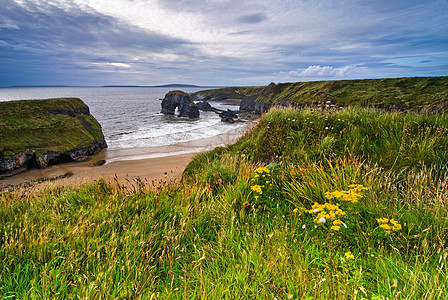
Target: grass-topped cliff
(430, 93)
(227, 93)
(310, 204)
(403, 93)
(30, 129)
(46, 125)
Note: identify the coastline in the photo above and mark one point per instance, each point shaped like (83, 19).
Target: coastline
(126, 165)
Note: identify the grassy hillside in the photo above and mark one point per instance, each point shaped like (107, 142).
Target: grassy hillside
(39, 126)
(340, 204)
(396, 93)
(404, 93)
(227, 93)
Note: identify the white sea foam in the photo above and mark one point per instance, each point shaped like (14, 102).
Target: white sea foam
(169, 133)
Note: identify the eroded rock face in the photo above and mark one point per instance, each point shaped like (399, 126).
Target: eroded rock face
(183, 102)
(21, 161)
(15, 162)
(48, 158)
(249, 104)
(80, 154)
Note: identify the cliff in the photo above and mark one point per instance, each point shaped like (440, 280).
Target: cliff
(406, 94)
(427, 94)
(226, 93)
(38, 133)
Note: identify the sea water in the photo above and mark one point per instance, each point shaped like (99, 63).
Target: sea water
(130, 117)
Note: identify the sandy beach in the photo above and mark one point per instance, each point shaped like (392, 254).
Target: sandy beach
(166, 163)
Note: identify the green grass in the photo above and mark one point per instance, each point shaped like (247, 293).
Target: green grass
(228, 93)
(29, 126)
(403, 93)
(414, 94)
(209, 237)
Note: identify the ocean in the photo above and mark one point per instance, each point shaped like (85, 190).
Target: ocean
(132, 123)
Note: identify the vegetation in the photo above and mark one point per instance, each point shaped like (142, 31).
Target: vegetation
(398, 93)
(337, 204)
(227, 93)
(418, 93)
(39, 126)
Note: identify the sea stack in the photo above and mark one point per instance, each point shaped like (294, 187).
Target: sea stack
(183, 102)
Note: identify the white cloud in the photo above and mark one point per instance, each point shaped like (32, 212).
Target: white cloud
(318, 71)
(236, 41)
(328, 71)
(111, 65)
(6, 23)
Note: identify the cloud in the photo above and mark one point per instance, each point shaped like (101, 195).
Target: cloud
(252, 18)
(53, 42)
(316, 72)
(327, 71)
(6, 23)
(113, 64)
(221, 42)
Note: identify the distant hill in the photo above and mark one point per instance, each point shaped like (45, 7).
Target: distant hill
(173, 85)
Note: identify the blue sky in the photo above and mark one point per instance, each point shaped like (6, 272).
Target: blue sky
(219, 42)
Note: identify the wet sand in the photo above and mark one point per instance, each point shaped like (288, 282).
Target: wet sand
(166, 162)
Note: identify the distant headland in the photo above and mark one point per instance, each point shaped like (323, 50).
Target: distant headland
(172, 85)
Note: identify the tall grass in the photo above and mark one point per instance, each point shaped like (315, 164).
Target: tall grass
(213, 236)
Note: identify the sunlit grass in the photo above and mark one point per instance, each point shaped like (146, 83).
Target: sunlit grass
(215, 236)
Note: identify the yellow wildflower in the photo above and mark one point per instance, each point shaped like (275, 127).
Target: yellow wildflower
(326, 211)
(382, 220)
(337, 222)
(351, 195)
(389, 225)
(385, 227)
(257, 188)
(357, 187)
(262, 170)
(349, 255)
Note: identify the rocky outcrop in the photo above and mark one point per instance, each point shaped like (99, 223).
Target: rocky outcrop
(228, 116)
(181, 101)
(77, 154)
(248, 103)
(15, 164)
(258, 103)
(205, 106)
(20, 162)
(436, 108)
(252, 104)
(56, 130)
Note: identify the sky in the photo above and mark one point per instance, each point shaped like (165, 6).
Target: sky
(219, 42)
